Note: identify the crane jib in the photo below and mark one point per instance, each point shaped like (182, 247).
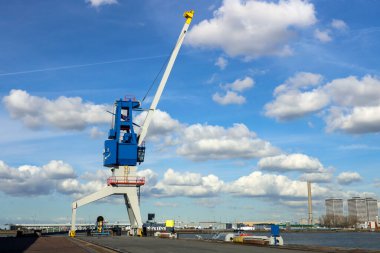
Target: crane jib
(123, 146)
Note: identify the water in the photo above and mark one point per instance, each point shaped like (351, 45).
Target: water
(359, 240)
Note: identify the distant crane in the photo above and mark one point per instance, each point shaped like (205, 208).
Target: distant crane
(124, 148)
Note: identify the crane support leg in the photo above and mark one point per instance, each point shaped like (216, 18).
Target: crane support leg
(130, 196)
(133, 208)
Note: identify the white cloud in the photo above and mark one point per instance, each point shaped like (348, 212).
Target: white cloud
(194, 185)
(241, 84)
(291, 162)
(58, 170)
(175, 178)
(221, 62)
(258, 184)
(358, 120)
(57, 176)
(253, 28)
(321, 177)
(231, 97)
(98, 175)
(97, 3)
(351, 91)
(348, 177)
(204, 142)
(297, 97)
(29, 180)
(322, 36)
(161, 126)
(294, 104)
(352, 104)
(151, 179)
(66, 113)
(78, 189)
(339, 24)
(356, 105)
(299, 80)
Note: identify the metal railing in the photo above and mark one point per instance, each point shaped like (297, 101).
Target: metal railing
(126, 181)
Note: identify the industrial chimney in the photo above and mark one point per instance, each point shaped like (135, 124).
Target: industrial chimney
(309, 202)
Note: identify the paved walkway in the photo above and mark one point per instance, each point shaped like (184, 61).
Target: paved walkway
(56, 244)
(153, 245)
(125, 244)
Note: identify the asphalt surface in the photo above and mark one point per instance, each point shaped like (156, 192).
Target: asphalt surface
(56, 244)
(153, 245)
(125, 244)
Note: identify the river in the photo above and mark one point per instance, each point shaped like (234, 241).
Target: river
(359, 240)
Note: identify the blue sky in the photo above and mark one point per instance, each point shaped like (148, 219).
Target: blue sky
(263, 96)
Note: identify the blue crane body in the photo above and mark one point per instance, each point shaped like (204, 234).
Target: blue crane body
(121, 148)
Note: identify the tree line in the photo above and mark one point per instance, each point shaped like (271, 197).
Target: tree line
(338, 221)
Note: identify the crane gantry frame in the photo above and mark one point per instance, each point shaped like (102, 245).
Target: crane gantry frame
(124, 149)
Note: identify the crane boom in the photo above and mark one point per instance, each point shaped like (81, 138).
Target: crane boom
(144, 128)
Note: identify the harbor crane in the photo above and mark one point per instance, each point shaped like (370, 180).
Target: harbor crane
(124, 148)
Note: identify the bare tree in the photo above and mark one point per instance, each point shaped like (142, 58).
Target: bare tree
(338, 221)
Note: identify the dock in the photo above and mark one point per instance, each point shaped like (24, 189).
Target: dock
(127, 244)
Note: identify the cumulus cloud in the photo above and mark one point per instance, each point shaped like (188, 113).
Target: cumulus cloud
(356, 105)
(253, 28)
(162, 125)
(187, 184)
(351, 91)
(232, 89)
(258, 184)
(29, 180)
(77, 189)
(348, 177)
(205, 142)
(301, 80)
(294, 104)
(241, 84)
(96, 180)
(221, 62)
(352, 105)
(97, 3)
(297, 97)
(59, 177)
(322, 36)
(291, 162)
(358, 120)
(339, 24)
(65, 113)
(320, 177)
(230, 97)
(58, 170)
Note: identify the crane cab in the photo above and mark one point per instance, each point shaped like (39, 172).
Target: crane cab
(121, 149)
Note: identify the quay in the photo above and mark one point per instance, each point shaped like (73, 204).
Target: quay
(127, 244)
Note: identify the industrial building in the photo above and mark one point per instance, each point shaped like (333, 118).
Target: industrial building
(372, 209)
(363, 209)
(334, 207)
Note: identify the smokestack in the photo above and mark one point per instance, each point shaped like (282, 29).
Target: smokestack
(309, 202)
